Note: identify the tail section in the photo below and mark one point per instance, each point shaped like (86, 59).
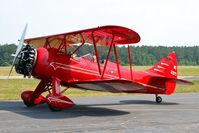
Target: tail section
(164, 74)
(166, 67)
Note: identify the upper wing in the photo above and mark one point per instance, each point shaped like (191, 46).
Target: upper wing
(102, 36)
(115, 85)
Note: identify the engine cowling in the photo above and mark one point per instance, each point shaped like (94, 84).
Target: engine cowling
(26, 60)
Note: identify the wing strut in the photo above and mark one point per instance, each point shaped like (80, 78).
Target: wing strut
(107, 57)
(130, 62)
(116, 59)
(96, 53)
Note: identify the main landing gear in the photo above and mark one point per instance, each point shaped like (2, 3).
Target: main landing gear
(158, 98)
(55, 100)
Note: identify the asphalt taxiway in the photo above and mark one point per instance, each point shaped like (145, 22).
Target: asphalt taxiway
(179, 113)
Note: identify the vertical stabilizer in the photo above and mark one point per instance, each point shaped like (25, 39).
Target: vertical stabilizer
(167, 66)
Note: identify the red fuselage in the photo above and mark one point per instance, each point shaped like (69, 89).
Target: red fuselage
(51, 63)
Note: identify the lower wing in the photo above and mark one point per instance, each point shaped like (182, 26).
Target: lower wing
(121, 85)
(114, 86)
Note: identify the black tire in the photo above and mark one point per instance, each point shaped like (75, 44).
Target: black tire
(28, 104)
(158, 99)
(53, 108)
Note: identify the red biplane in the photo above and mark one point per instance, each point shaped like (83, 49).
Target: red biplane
(53, 60)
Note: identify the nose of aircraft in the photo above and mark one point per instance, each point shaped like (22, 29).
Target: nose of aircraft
(19, 48)
(25, 61)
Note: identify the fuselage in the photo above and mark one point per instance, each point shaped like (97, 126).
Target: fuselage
(51, 63)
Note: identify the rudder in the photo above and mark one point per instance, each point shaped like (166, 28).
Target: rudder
(167, 66)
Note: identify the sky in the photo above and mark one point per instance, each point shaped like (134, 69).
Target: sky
(158, 22)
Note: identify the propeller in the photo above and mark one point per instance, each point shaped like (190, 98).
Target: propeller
(19, 48)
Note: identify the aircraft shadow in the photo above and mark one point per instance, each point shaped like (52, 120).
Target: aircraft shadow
(135, 102)
(93, 110)
(147, 102)
(43, 112)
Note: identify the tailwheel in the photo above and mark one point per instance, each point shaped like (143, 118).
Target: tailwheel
(158, 99)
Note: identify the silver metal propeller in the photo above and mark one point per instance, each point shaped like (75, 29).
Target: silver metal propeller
(19, 48)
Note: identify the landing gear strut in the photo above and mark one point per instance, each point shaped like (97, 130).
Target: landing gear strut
(158, 99)
(55, 100)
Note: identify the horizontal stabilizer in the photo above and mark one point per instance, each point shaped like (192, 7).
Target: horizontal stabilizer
(184, 82)
(178, 81)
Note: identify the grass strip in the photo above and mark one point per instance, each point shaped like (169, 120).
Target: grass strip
(11, 89)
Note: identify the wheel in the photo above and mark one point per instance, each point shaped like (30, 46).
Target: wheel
(158, 99)
(53, 108)
(28, 104)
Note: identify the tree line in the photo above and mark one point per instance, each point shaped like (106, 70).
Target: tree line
(141, 55)
(6, 51)
(148, 55)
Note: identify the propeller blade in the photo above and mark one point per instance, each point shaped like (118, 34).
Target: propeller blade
(20, 46)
